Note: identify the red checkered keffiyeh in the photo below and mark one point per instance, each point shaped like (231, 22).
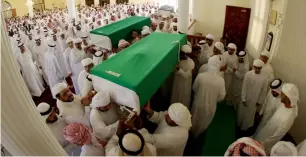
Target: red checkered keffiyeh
(247, 146)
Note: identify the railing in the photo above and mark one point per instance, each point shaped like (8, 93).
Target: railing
(192, 23)
(194, 39)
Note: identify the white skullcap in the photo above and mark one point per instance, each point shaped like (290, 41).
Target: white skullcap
(69, 39)
(214, 63)
(186, 49)
(219, 46)
(292, 92)
(145, 32)
(87, 61)
(241, 54)
(145, 27)
(131, 142)
(44, 109)
(265, 53)
(122, 42)
(36, 38)
(189, 43)
(56, 89)
(210, 36)
(258, 63)
(20, 44)
(77, 40)
(98, 53)
(232, 46)
(283, 148)
(164, 16)
(180, 115)
(18, 39)
(101, 99)
(202, 42)
(51, 42)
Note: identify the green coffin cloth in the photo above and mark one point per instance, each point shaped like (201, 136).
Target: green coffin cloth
(122, 29)
(144, 66)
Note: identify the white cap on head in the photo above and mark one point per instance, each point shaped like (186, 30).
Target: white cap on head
(77, 40)
(87, 61)
(56, 89)
(98, 53)
(232, 46)
(122, 42)
(258, 63)
(145, 32)
(186, 49)
(210, 36)
(20, 44)
(101, 99)
(51, 42)
(145, 27)
(283, 148)
(202, 42)
(44, 109)
(214, 63)
(219, 46)
(36, 38)
(164, 16)
(131, 142)
(241, 54)
(265, 53)
(292, 92)
(180, 115)
(69, 39)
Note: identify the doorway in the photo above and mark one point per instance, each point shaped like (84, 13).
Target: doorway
(89, 2)
(236, 26)
(122, 1)
(102, 2)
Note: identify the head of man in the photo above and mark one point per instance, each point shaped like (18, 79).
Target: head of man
(145, 32)
(241, 56)
(54, 30)
(161, 25)
(99, 22)
(283, 148)
(131, 143)
(264, 56)
(47, 112)
(196, 50)
(246, 146)
(258, 64)
(185, 51)
(66, 27)
(78, 27)
(210, 39)
(101, 101)
(289, 95)
(62, 93)
(175, 28)
(153, 26)
(275, 87)
(135, 34)
(37, 41)
(78, 43)
(231, 48)
(21, 47)
(78, 134)
(69, 42)
(30, 36)
(178, 115)
(54, 37)
(87, 64)
(219, 48)
(123, 44)
(175, 19)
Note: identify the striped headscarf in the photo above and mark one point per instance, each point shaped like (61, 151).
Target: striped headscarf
(245, 146)
(77, 133)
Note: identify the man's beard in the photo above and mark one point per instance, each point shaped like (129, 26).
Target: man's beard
(53, 121)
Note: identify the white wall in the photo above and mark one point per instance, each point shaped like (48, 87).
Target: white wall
(210, 15)
(289, 58)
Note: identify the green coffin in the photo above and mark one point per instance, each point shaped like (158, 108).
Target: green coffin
(122, 29)
(145, 65)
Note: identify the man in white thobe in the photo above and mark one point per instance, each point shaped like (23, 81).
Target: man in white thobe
(29, 71)
(59, 55)
(181, 89)
(210, 41)
(62, 41)
(40, 49)
(283, 148)
(30, 45)
(104, 117)
(85, 79)
(171, 135)
(71, 107)
(67, 55)
(271, 103)
(242, 69)
(209, 89)
(254, 91)
(77, 55)
(51, 66)
(282, 120)
(267, 68)
(202, 58)
(56, 124)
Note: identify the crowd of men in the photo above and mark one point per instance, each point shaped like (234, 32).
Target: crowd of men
(50, 49)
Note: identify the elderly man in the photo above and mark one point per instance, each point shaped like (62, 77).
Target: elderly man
(51, 66)
(29, 72)
(182, 83)
(231, 61)
(209, 89)
(267, 68)
(104, 117)
(71, 107)
(76, 56)
(84, 80)
(271, 103)
(282, 120)
(283, 148)
(171, 135)
(254, 90)
(56, 125)
(130, 143)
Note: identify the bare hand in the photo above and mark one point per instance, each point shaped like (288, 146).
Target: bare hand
(85, 101)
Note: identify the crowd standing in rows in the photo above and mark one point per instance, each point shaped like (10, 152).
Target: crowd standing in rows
(50, 49)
